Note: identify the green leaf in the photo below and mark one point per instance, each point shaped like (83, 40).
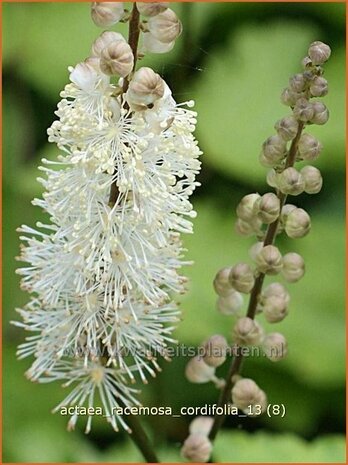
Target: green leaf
(242, 447)
(237, 98)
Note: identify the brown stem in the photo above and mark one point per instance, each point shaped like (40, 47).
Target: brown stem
(133, 40)
(255, 293)
(139, 437)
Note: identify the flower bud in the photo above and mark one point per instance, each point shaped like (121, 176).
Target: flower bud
(201, 425)
(255, 249)
(312, 178)
(269, 260)
(293, 267)
(245, 208)
(298, 223)
(298, 83)
(215, 350)
(319, 52)
(306, 63)
(165, 26)
(287, 127)
(290, 97)
(105, 14)
(290, 182)
(268, 207)
(231, 304)
(153, 45)
(104, 40)
(274, 149)
(197, 448)
(152, 8)
(242, 278)
(145, 88)
(319, 87)
(221, 282)
(247, 332)
(276, 289)
(286, 209)
(248, 228)
(274, 308)
(272, 178)
(246, 393)
(321, 113)
(275, 346)
(117, 58)
(197, 371)
(84, 76)
(303, 110)
(309, 147)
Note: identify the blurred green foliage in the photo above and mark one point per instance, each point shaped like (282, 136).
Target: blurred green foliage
(233, 59)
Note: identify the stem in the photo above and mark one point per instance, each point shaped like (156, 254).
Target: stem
(254, 296)
(133, 39)
(140, 438)
(138, 434)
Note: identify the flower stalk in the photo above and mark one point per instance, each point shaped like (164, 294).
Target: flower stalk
(265, 217)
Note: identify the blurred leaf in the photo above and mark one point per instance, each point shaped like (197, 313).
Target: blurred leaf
(315, 326)
(242, 447)
(238, 97)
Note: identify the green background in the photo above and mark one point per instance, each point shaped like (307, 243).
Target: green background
(233, 59)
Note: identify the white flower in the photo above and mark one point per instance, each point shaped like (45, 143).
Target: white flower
(102, 274)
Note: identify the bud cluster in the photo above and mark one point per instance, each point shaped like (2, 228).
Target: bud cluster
(265, 216)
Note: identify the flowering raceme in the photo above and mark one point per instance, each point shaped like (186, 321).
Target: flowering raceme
(102, 272)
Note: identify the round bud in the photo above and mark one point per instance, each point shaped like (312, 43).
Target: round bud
(197, 448)
(286, 209)
(321, 113)
(319, 87)
(268, 207)
(152, 8)
(298, 83)
(153, 45)
(255, 249)
(303, 110)
(231, 304)
(272, 178)
(246, 393)
(84, 76)
(197, 371)
(274, 149)
(319, 52)
(221, 282)
(312, 178)
(165, 26)
(242, 278)
(293, 267)
(247, 332)
(248, 228)
(117, 58)
(276, 289)
(306, 63)
(274, 308)
(215, 350)
(245, 208)
(298, 223)
(290, 182)
(269, 260)
(201, 425)
(105, 14)
(275, 346)
(145, 88)
(287, 127)
(290, 97)
(104, 40)
(309, 147)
